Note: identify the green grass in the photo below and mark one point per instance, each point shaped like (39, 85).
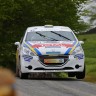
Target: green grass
(90, 54)
(89, 47)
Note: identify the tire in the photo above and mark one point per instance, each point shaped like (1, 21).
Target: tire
(81, 75)
(71, 74)
(23, 75)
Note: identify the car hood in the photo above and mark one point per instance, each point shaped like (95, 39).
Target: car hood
(51, 47)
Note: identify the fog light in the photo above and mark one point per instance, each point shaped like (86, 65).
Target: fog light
(77, 66)
(29, 67)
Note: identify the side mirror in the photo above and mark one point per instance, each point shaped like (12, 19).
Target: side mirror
(81, 42)
(17, 43)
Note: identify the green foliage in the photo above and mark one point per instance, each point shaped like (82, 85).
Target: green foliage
(90, 57)
(90, 12)
(89, 45)
(17, 15)
(90, 54)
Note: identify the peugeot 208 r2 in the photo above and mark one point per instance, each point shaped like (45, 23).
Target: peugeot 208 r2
(50, 49)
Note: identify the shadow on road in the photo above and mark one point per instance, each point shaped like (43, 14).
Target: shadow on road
(48, 77)
(55, 79)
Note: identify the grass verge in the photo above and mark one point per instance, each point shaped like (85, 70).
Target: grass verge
(90, 57)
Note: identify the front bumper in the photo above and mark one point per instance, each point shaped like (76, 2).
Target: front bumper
(38, 66)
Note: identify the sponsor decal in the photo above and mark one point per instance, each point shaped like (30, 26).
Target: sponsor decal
(79, 56)
(27, 58)
(52, 45)
(35, 47)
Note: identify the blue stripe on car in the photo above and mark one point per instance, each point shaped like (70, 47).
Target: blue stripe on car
(67, 52)
(52, 52)
(69, 49)
(37, 51)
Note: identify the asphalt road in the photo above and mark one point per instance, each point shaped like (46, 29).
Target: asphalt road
(55, 87)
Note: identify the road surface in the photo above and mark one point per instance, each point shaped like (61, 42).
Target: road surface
(55, 87)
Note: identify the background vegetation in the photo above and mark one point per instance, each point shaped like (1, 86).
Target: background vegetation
(17, 15)
(90, 54)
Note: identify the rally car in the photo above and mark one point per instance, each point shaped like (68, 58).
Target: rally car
(49, 49)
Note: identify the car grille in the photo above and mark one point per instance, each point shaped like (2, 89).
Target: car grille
(65, 57)
(65, 68)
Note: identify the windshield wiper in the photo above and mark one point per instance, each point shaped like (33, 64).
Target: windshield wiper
(60, 35)
(46, 36)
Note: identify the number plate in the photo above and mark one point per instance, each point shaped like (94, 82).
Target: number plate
(53, 60)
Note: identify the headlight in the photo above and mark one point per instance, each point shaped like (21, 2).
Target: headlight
(27, 51)
(78, 50)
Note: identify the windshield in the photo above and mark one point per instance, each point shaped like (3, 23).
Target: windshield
(50, 36)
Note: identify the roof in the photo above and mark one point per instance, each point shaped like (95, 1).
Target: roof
(50, 28)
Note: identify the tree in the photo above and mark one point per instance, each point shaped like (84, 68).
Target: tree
(90, 12)
(17, 15)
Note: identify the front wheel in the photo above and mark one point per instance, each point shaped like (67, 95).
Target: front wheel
(23, 75)
(81, 75)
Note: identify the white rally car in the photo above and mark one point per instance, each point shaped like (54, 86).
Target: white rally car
(50, 49)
